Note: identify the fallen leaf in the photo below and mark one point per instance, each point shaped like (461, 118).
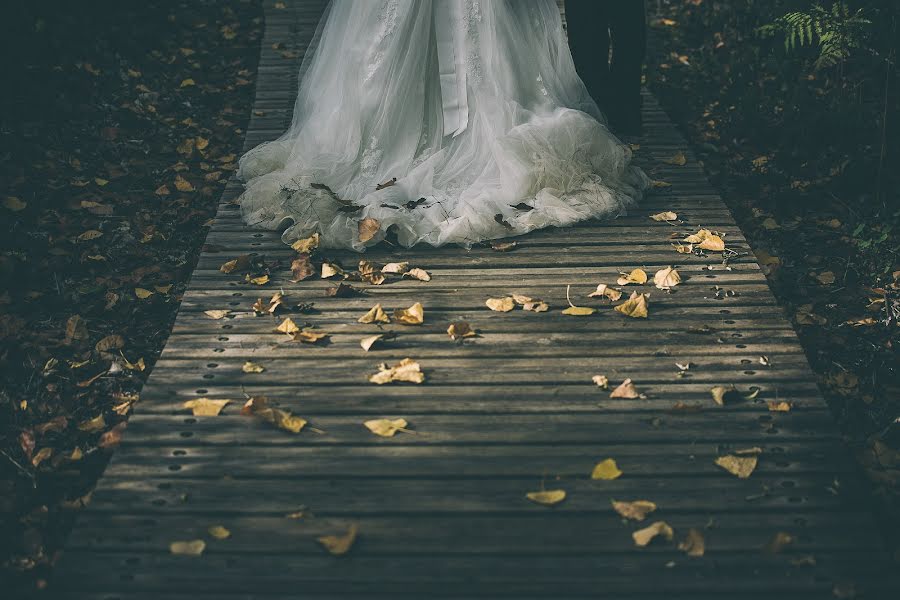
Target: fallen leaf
(665, 216)
(605, 291)
(637, 277)
(420, 274)
(504, 246)
(414, 315)
(142, 293)
(94, 425)
(579, 311)
(367, 228)
(252, 367)
(343, 290)
(625, 390)
(240, 263)
(287, 326)
(219, 532)
(693, 544)
(331, 270)
(387, 427)
(338, 545)
(547, 497)
(376, 314)
(406, 370)
(306, 245)
(706, 240)
(258, 406)
(91, 234)
(644, 536)
(395, 268)
(779, 406)
(459, 330)
(679, 159)
(367, 342)
(370, 273)
(739, 466)
(14, 204)
(191, 548)
(779, 542)
(636, 306)
(183, 185)
(606, 470)
(657, 184)
(302, 268)
(206, 407)
(726, 394)
(666, 279)
(76, 329)
(40, 456)
(389, 183)
(309, 336)
(601, 380)
(636, 510)
(501, 304)
(826, 278)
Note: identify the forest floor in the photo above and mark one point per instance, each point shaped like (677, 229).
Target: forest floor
(120, 124)
(801, 189)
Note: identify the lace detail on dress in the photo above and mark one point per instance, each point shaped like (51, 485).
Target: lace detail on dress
(371, 158)
(472, 18)
(387, 17)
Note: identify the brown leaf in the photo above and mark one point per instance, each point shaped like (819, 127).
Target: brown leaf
(332, 270)
(636, 306)
(693, 544)
(414, 315)
(94, 425)
(306, 245)
(206, 407)
(665, 216)
(637, 277)
(371, 273)
(76, 329)
(504, 246)
(217, 314)
(602, 381)
(604, 291)
(252, 367)
(187, 548)
(395, 268)
(338, 545)
(258, 406)
(666, 279)
(375, 315)
(309, 336)
(287, 326)
(406, 370)
(420, 274)
(606, 470)
(779, 542)
(387, 427)
(501, 304)
(302, 268)
(459, 330)
(642, 537)
(113, 437)
(547, 497)
(625, 390)
(368, 228)
(679, 159)
(706, 240)
(636, 510)
(343, 290)
(739, 466)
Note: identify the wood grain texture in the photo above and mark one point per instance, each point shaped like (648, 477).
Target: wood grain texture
(441, 510)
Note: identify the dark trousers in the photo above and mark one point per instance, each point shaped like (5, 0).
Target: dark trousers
(595, 27)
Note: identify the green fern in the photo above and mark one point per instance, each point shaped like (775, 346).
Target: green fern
(835, 32)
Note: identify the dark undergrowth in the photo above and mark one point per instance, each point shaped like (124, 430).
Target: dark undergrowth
(120, 123)
(806, 152)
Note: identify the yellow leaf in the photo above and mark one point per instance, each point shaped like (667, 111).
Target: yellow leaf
(642, 537)
(375, 315)
(625, 390)
(330, 270)
(339, 545)
(693, 544)
(501, 304)
(206, 407)
(14, 204)
(395, 268)
(406, 370)
(142, 293)
(414, 315)
(367, 228)
(666, 279)
(706, 240)
(660, 184)
(679, 159)
(739, 466)
(309, 336)
(191, 548)
(261, 280)
(219, 532)
(40, 456)
(201, 143)
(216, 314)
(636, 306)
(547, 497)
(665, 216)
(605, 291)
(306, 245)
(288, 326)
(367, 342)
(638, 277)
(459, 330)
(252, 367)
(601, 380)
(779, 406)
(420, 274)
(636, 511)
(90, 234)
(606, 470)
(579, 311)
(187, 82)
(94, 425)
(183, 185)
(386, 427)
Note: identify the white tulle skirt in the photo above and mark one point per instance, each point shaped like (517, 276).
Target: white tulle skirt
(473, 107)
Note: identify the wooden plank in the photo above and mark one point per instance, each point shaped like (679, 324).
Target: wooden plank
(441, 511)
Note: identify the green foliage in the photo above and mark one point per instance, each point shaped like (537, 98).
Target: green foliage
(835, 32)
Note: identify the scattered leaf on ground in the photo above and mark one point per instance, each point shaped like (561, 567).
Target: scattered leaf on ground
(665, 216)
(376, 314)
(644, 536)
(604, 291)
(606, 470)
(693, 544)
(387, 427)
(406, 370)
(252, 367)
(637, 277)
(309, 336)
(205, 407)
(306, 245)
(188, 548)
(217, 314)
(636, 510)
(779, 542)
(417, 273)
(414, 315)
(338, 545)
(636, 306)
(459, 330)
(501, 304)
(288, 326)
(219, 532)
(666, 279)
(601, 380)
(739, 466)
(547, 497)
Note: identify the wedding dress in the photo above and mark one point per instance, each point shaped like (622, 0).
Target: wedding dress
(439, 121)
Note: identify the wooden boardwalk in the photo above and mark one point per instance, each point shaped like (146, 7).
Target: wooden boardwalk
(442, 512)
